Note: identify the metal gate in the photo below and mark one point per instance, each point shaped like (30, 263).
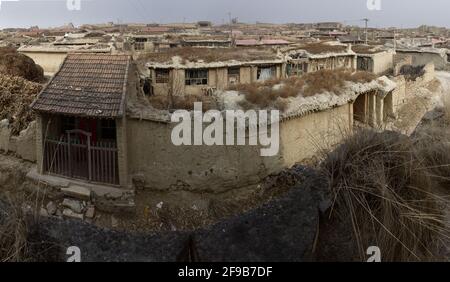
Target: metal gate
(75, 155)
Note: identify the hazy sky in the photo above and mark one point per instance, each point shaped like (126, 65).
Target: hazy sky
(400, 13)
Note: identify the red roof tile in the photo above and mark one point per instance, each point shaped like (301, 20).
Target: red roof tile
(89, 85)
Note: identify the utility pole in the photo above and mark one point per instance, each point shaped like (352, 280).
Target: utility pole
(366, 20)
(395, 40)
(231, 28)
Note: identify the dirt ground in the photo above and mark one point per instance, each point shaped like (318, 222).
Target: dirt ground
(181, 210)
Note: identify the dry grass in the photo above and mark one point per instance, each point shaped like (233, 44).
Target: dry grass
(364, 49)
(13, 233)
(16, 95)
(264, 94)
(182, 102)
(321, 47)
(385, 185)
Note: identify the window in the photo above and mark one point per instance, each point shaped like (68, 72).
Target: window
(139, 44)
(162, 76)
(108, 129)
(265, 73)
(197, 77)
(234, 75)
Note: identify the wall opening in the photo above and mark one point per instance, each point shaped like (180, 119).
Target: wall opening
(360, 108)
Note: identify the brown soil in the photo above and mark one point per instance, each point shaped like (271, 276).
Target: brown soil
(15, 64)
(16, 95)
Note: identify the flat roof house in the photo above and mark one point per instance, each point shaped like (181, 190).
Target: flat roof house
(81, 120)
(374, 59)
(319, 56)
(194, 71)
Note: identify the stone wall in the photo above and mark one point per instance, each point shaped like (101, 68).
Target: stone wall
(23, 146)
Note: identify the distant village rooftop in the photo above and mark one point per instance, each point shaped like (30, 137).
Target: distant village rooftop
(196, 57)
(367, 49)
(321, 49)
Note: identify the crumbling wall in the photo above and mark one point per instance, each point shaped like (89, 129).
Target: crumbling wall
(23, 146)
(401, 60)
(429, 73)
(383, 62)
(155, 163)
(422, 58)
(399, 93)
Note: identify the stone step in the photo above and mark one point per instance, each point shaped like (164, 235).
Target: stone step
(77, 192)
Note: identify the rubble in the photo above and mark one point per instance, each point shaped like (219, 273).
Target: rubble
(51, 208)
(90, 212)
(71, 214)
(15, 64)
(16, 95)
(74, 205)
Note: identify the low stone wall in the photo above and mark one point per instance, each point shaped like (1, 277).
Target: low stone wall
(23, 146)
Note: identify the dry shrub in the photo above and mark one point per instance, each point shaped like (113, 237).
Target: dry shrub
(432, 144)
(362, 77)
(412, 72)
(264, 94)
(446, 109)
(382, 185)
(15, 64)
(321, 47)
(16, 95)
(182, 102)
(13, 233)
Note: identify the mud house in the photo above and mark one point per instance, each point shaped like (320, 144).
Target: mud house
(193, 71)
(81, 121)
(95, 126)
(318, 56)
(308, 125)
(374, 59)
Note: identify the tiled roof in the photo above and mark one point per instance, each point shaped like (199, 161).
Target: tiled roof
(89, 85)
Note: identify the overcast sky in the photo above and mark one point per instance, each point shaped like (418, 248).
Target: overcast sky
(400, 13)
